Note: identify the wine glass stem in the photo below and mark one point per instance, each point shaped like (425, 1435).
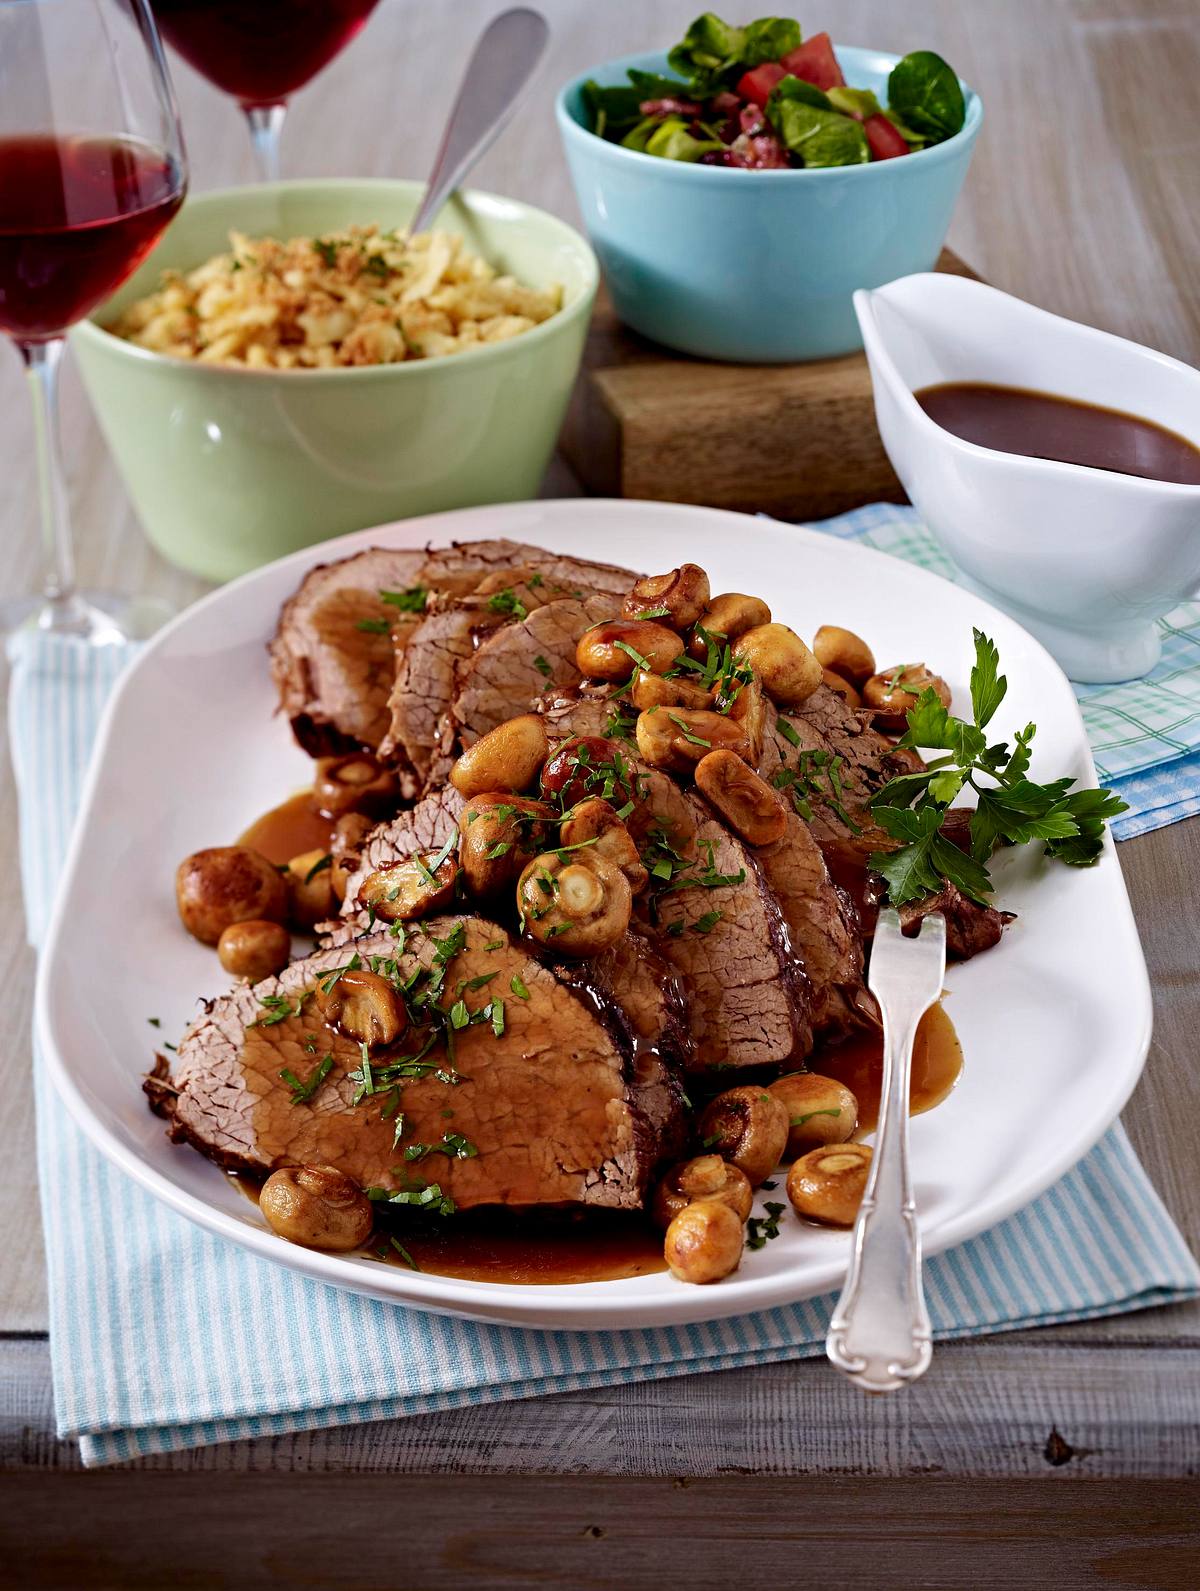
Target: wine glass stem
(266, 126)
(63, 612)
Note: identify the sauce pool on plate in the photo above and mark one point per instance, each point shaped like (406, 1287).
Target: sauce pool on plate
(1042, 425)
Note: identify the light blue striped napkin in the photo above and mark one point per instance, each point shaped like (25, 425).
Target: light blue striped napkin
(1145, 733)
(157, 1328)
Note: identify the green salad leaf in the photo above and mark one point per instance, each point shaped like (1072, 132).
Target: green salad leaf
(669, 137)
(925, 93)
(817, 136)
(769, 39)
(615, 108)
(713, 52)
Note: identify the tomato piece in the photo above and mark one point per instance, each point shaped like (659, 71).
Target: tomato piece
(756, 85)
(886, 141)
(816, 63)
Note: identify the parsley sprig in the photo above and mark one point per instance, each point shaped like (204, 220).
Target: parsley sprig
(1011, 809)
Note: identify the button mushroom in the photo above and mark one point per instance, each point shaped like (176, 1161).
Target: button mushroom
(417, 887)
(845, 653)
(745, 704)
(254, 950)
(364, 1006)
(316, 1206)
(677, 737)
(747, 803)
(683, 593)
(498, 833)
(727, 616)
(309, 878)
(704, 1242)
(576, 905)
(227, 884)
(595, 824)
(349, 832)
(786, 669)
(892, 694)
(707, 1177)
(577, 765)
(820, 1110)
(508, 757)
(827, 1185)
(354, 783)
(652, 690)
(613, 649)
(748, 1127)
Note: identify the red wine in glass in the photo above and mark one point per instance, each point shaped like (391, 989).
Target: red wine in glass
(77, 216)
(261, 51)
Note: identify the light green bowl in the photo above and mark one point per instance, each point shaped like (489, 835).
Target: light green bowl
(231, 468)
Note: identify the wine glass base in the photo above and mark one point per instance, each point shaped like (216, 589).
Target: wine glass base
(101, 618)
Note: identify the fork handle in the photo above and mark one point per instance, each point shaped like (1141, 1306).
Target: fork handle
(880, 1334)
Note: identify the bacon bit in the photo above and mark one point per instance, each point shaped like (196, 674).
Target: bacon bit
(763, 153)
(751, 121)
(726, 104)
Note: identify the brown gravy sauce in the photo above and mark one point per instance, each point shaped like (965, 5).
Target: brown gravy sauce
(290, 829)
(858, 1062)
(1042, 425)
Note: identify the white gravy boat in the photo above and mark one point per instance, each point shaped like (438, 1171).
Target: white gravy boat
(1086, 559)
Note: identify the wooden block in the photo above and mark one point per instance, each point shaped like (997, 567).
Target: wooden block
(795, 440)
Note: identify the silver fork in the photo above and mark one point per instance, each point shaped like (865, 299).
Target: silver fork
(880, 1334)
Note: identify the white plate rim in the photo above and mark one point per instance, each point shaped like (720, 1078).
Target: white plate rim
(579, 1307)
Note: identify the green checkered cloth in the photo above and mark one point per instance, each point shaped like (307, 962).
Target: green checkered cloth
(1145, 733)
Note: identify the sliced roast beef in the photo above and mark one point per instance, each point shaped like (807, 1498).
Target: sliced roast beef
(970, 927)
(552, 1110)
(440, 650)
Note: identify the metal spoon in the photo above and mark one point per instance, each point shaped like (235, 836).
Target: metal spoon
(506, 57)
(880, 1335)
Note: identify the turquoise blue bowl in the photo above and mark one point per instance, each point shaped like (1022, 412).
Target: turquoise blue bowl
(758, 267)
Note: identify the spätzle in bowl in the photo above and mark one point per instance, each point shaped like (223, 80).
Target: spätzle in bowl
(288, 366)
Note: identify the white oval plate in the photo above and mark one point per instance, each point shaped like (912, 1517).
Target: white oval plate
(1055, 1023)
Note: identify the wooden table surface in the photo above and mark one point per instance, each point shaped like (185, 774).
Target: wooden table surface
(1085, 198)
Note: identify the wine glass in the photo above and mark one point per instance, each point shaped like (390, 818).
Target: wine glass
(91, 171)
(261, 52)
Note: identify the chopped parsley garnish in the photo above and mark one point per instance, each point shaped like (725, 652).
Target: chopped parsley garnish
(507, 601)
(705, 924)
(517, 985)
(319, 867)
(653, 613)
(373, 626)
(154, 1021)
(798, 1121)
(452, 1144)
(330, 978)
(278, 1008)
(411, 601)
(302, 1092)
(630, 651)
(817, 777)
(761, 1229)
(429, 1197)
(542, 666)
(327, 249)
(376, 265)
(694, 740)
(1011, 808)
(713, 1139)
(403, 1253)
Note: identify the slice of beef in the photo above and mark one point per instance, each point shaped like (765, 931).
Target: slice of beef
(557, 1109)
(334, 677)
(516, 664)
(441, 648)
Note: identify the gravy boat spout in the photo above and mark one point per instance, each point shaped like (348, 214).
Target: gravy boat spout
(1087, 559)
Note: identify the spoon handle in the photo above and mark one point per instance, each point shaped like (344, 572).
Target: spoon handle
(501, 65)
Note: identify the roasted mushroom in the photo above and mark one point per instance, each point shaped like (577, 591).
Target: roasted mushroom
(707, 1177)
(704, 1242)
(678, 598)
(726, 617)
(843, 688)
(316, 1206)
(820, 1110)
(595, 824)
(652, 690)
(227, 884)
(785, 667)
(745, 703)
(509, 757)
(747, 802)
(892, 694)
(847, 654)
(254, 950)
(577, 905)
(498, 833)
(364, 1006)
(309, 878)
(417, 887)
(613, 649)
(827, 1185)
(748, 1127)
(574, 767)
(354, 783)
(678, 737)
